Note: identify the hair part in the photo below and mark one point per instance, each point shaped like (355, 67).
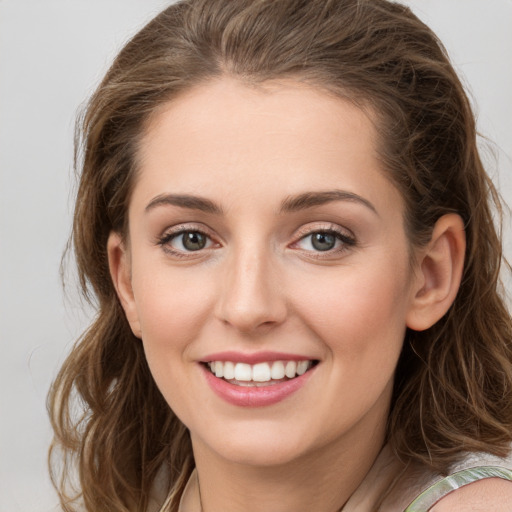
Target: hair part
(453, 388)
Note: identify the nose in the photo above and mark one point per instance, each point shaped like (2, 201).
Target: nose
(252, 298)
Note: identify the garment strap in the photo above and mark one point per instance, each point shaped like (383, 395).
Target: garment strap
(441, 488)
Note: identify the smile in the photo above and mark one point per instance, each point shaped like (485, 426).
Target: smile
(257, 383)
(260, 374)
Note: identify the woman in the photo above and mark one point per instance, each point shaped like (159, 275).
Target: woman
(286, 224)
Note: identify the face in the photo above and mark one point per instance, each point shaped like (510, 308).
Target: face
(267, 246)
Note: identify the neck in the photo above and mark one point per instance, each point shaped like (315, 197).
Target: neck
(322, 480)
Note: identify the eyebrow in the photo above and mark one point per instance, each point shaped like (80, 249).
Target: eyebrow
(185, 201)
(312, 199)
(290, 204)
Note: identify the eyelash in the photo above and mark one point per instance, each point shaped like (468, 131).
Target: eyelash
(165, 240)
(347, 241)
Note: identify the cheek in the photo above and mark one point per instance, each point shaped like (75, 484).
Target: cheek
(172, 308)
(357, 312)
(172, 311)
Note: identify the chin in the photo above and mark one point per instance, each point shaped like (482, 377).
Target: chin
(259, 443)
(260, 454)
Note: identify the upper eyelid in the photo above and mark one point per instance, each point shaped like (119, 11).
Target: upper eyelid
(309, 229)
(184, 227)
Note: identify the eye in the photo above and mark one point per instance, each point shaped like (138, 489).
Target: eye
(191, 240)
(185, 241)
(325, 241)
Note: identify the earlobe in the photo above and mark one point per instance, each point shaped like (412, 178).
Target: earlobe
(439, 270)
(120, 271)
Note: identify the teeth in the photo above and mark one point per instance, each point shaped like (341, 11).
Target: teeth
(302, 367)
(290, 369)
(277, 371)
(261, 372)
(242, 371)
(219, 369)
(229, 370)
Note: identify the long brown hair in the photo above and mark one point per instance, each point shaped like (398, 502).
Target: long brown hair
(453, 388)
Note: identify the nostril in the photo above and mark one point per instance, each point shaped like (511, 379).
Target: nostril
(251, 319)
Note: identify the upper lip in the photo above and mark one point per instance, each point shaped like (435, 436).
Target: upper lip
(254, 358)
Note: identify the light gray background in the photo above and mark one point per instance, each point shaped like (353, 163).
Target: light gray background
(52, 53)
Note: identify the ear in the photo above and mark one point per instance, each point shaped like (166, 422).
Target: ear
(120, 271)
(439, 273)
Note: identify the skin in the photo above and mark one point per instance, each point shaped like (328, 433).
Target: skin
(259, 284)
(491, 494)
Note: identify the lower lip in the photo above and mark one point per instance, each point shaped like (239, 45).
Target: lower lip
(253, 396)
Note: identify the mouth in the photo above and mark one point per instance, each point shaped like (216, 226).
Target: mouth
(261, 374)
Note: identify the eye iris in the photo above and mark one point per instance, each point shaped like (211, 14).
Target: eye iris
(323, 241)
(193, 241)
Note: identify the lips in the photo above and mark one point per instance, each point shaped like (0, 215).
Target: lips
(256, 380)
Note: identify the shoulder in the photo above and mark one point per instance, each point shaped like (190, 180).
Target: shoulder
(482, 496)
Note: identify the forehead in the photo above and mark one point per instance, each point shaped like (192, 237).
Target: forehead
(230, 139)
(265, 113)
